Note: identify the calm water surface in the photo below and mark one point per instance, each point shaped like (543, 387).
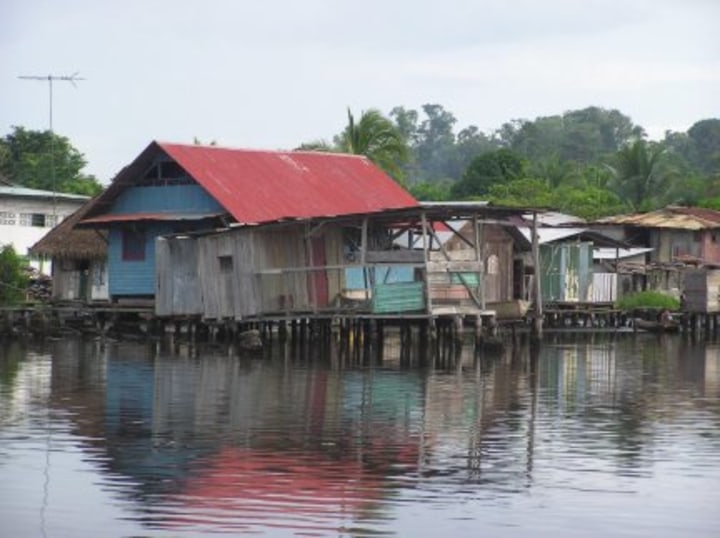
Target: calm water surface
(598, 436)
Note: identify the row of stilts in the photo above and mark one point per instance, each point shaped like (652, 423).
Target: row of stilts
(354, 340)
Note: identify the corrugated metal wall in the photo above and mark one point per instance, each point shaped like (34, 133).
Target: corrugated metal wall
(604, 288)
(566, 272)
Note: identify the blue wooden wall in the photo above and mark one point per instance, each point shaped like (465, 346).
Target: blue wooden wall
(135, 277)
(138, 277)
(181, 198)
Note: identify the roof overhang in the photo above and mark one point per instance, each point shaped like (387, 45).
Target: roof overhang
(138, 217)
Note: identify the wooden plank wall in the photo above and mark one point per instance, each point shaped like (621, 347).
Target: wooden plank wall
(229, 288)
(279, 257)
(701, 289)
(177, 289)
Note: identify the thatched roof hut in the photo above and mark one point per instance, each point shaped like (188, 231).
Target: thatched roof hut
(66, 242)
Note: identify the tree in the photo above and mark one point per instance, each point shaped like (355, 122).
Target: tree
(522, 192)
(639, 177)
(489, 169)
(45, 160)
(378, 139)
(585, 135)
(434, 149)
(13, 281)
(588, 202)
(705, 136)
(436, 191)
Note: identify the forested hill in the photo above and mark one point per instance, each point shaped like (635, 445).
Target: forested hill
(590, 162)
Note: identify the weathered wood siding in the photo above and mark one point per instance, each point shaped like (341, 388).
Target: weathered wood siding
(66, 280)
(227, 277)
(280, 256)
(497, 252)
(178, 290)
(283, 260)
(70, 282)
(701, 289)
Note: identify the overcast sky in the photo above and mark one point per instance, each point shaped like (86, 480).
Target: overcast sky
(272, 74)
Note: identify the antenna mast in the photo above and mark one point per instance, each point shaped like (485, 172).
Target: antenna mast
(50, 79)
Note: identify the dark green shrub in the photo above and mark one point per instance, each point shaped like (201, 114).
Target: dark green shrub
(13, 281)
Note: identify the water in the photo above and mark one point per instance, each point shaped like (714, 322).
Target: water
(599, 436)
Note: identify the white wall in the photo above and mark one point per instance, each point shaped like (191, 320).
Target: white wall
(16, 226)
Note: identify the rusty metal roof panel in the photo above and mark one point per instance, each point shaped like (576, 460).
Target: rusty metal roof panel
(258, 186)
(679, 218)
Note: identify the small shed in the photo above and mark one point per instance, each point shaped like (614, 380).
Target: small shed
(701, 291)
(79, 256)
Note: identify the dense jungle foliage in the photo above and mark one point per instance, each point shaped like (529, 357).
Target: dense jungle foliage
(591, 162)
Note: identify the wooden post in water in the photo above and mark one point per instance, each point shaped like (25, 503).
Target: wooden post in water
(537, 328)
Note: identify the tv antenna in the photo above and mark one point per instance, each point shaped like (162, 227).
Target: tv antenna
(72, 79)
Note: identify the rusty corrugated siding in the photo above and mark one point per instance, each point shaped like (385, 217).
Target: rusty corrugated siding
(264, 186)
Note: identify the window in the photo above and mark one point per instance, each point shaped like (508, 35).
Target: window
(165, 173)
(133, 245)
(493, 265)
(7, 217)
(37, 220)
(226, 264)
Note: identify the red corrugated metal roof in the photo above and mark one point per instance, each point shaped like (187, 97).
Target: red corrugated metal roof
(263, 186)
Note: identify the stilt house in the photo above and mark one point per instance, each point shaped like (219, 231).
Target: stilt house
(175, 189)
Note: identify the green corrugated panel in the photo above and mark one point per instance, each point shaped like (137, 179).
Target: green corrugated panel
(398, 297)
(566, 271)
(469, 279)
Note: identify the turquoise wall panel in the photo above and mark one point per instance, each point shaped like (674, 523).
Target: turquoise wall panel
(180, 198)
(398, 297)
(354, 279)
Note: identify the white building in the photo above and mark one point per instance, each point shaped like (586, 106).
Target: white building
(26, 215)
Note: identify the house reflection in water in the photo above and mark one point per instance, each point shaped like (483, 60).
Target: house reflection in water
(241, 443)
(219, 443)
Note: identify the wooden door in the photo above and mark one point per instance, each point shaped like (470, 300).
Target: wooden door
(318, 279)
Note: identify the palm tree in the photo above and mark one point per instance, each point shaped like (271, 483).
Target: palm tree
(639, 176)
(378, 139)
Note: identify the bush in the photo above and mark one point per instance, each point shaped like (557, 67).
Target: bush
(648, 299)
(13, 281)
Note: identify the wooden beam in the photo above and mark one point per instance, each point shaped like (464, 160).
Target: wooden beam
(479, 234)
(538, 321)
(428, 299)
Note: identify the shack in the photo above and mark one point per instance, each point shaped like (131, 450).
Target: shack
(287, 269)
(680, 239)
(79, 259)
